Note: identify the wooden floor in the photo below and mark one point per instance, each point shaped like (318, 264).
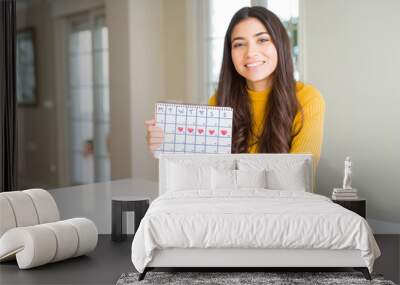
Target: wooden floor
(102, 266)
(110, 260)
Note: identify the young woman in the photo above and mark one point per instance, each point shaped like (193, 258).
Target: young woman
(272, 112)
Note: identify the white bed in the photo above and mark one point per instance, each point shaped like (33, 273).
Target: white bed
(198, 223)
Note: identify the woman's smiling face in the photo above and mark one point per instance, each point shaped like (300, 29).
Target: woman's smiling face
(253, 53)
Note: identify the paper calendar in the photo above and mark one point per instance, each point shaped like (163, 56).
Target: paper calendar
(194, 128)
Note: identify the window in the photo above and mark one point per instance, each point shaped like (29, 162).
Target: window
(288, 12)
(88, 99)
(220, 13)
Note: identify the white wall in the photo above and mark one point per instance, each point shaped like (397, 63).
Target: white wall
(352, 55)
(117, 16)
(157, 64)
(174, 49)
(147, 77)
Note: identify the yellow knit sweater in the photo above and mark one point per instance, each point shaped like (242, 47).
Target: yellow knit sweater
(309, 139)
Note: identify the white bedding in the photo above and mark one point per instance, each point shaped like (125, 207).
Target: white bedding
(251, 218)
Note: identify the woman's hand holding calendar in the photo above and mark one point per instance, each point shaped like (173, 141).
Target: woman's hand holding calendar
(155, 135)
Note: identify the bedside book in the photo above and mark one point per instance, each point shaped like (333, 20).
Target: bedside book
(344, 194)
(334, 197)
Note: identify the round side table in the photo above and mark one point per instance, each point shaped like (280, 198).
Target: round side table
(121, 204)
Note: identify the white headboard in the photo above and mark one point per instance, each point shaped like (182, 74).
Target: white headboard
(212, 159)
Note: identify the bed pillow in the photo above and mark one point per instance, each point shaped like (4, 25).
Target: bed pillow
(282, 174)
(236, 179)
(293, 178)
(192, 160)
(251, 178)
(223, 179)
(182, 177)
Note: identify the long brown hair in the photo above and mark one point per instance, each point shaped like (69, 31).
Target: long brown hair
(282, 103)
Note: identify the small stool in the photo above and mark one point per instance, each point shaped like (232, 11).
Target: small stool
(121, 204)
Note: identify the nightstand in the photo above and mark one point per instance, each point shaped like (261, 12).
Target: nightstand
(358, 206)
(121, 204)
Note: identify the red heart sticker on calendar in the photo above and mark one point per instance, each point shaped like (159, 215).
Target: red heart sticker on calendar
(224, 132)
(190, 130)
(211, 132)
(200, 131)
(180, 129)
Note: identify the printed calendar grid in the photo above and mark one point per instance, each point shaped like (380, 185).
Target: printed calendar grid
(183, 132)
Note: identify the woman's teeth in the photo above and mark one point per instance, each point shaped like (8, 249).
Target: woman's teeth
(254, 64)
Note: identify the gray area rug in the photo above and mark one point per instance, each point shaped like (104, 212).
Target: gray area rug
(225, 278)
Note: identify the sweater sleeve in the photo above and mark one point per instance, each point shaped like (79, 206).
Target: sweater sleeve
(212, 101)
(309, 138)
